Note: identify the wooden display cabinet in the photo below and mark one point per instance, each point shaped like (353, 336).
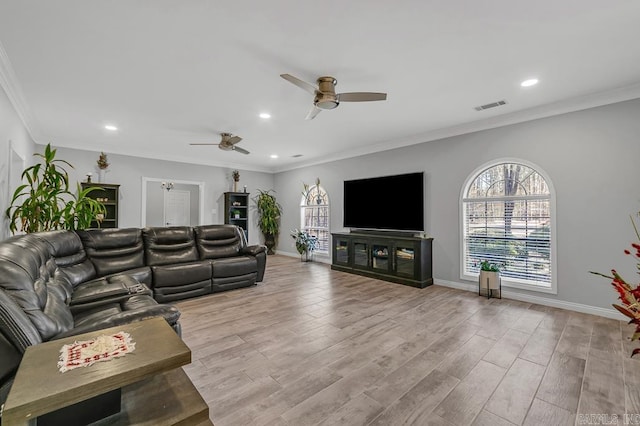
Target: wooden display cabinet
(236, 210)
(397, 258)
(109, 195)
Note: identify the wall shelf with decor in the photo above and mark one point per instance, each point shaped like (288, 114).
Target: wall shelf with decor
(236, 210)
(400, 259)
(109, 195)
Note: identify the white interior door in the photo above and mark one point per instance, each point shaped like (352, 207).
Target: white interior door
(177, 208)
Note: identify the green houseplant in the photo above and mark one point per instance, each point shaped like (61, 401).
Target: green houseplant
(46, 203)
(305, 243)
(489, 278)
(269, 211)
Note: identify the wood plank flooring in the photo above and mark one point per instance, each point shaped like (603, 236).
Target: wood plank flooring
(312, 346)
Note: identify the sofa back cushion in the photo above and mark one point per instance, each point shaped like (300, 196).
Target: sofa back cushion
(30, 276)
(70, 256)
(174, 244)
(113, 250)
(217, 241)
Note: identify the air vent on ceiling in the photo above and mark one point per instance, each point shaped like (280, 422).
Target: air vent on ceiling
(491, 105)
(296, 156)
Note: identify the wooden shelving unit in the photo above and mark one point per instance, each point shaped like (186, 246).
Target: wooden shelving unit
(111, 193)
(236, 210)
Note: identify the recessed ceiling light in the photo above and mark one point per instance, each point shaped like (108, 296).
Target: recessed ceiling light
(274, 156)
(530, 82)
(111, 127)
(265, 115)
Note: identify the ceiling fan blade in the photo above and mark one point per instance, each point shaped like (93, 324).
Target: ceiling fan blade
(204, 144)
(312, 113)
(240, 150)
(361, 97)
(234, 140)
(301, 84)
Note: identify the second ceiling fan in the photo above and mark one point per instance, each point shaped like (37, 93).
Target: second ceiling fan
(325, 96)
(227, 143)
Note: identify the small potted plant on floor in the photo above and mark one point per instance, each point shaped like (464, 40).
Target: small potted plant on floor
(489, 279)
(305, 243)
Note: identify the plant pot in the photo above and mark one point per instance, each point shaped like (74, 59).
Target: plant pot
(306, 256)
(270, 242)
(488, 282)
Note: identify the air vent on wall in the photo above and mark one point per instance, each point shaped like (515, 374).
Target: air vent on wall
(491, 105)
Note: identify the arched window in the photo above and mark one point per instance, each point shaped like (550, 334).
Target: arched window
(507, 210)
(314, 213)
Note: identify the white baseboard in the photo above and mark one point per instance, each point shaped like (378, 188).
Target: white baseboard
(316, 257)
(578, 307)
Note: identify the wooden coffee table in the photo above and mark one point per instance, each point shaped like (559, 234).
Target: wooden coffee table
(155, 390)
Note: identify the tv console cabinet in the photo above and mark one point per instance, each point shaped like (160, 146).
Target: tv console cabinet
(400, 258)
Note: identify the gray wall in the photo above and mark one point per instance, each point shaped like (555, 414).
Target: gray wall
(591, 157)
(12, 134)
(128, 172)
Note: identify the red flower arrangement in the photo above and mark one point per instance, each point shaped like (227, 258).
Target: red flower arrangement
(629, 296)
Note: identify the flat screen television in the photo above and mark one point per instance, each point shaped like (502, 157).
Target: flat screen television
(393, 203)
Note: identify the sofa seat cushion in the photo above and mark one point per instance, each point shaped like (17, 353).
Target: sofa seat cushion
(234, 266)
(135, 308)
(181, 273)
(142, 275)
(95, 315)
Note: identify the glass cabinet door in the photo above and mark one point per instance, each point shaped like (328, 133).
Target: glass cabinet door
(360, 254)
(380, 256)
(341, 251)
(405, 259)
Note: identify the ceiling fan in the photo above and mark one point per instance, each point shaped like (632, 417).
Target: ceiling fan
(325, 96)
(227, 143)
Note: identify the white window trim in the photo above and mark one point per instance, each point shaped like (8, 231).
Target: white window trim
(304, 205)
(512, 282)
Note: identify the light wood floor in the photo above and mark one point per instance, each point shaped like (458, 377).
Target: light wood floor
(313, 346)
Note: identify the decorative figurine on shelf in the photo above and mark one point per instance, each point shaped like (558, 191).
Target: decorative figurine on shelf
(89, 177)
(236, 177)
(103, 164)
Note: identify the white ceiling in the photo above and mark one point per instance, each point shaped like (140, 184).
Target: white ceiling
(168, 73)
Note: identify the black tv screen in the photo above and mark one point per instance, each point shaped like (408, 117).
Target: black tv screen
(387, 203)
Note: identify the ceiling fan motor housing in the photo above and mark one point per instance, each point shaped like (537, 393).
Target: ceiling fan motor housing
(326, 95)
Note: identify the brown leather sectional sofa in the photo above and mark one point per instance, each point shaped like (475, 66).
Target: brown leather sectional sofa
(61, 283)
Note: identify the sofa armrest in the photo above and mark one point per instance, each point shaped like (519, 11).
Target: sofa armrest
(253, 250)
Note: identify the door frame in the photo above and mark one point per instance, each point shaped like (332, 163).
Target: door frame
(143, 198)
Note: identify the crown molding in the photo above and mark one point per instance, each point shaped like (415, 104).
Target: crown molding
(566, 106)
(9, 83)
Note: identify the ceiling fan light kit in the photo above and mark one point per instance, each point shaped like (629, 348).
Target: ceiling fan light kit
(325, 97)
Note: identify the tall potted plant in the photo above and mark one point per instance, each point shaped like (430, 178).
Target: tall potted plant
(45, 202)
(269, 211)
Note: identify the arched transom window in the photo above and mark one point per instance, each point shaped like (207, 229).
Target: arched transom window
(314, 213)
(507, 219)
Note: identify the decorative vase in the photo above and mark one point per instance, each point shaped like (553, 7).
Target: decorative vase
(270, 242)
(306, 256)
(101, 173)
(235, 186)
